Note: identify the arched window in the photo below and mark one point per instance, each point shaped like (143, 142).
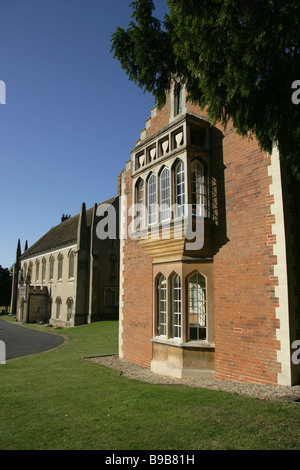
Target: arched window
(140, 200)
(51, 268)
(152, 209)
(69, 308)
(37, 270)
(176, 306)
(49, 307)
(25, 271)
(179, 189)
(199, 189)
(43, 269)
(162, 306)
(197, 306)
(21, 276)
(71, 264)
(22, 309)
(60, 266)
(165, 194)
(30, 271)
(177, 99)
(58, 307)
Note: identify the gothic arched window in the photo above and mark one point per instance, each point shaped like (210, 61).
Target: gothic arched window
(51, 268)
(199, 189)
(58, 307)
(176, 306)
(43, 269)
(37, 270)
(152, 207)
(69, 308)
(140, 199)
(179, 189)
(60, 266)
(162, 305)
(165, 194)
(71, 264)
(197, 306)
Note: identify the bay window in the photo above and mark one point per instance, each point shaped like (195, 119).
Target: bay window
(171, 306)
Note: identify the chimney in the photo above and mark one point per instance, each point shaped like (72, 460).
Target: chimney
(65, 217)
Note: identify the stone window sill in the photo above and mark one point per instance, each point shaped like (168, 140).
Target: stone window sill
(201, 344)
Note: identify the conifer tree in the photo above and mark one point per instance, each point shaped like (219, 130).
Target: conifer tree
(238, 59)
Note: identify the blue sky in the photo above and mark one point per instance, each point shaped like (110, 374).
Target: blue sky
(71, 116)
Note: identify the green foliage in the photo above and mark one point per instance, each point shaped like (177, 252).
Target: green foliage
(142, 50)
(5, 286)
(237, 58)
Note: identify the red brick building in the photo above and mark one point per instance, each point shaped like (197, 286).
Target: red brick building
(209, 260)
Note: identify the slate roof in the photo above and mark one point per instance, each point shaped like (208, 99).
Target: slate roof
(61, 235)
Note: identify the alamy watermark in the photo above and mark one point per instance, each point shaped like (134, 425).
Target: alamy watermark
(296, 354)
(156, 222)
(296, 95)
(2, 92)
(2, 352)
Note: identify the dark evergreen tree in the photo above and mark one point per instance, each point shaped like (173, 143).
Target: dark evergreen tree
(238, 59)
(5, 287)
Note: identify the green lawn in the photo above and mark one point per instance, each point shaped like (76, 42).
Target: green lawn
(59, 400)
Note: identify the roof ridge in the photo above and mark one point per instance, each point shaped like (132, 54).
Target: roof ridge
(61, 234)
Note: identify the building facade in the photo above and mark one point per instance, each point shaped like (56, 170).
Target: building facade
(209, 252)
(70, 276)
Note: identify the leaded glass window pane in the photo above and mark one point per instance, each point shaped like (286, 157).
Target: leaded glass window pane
(197, 307)
(152, 199)
(176, 307)
(43, 269)
(140, 221)
(180, 190)
(165, 194)
(162, 306)
(199, 189)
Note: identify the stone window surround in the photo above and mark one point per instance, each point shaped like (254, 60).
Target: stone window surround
(71, 264)
(184, 270)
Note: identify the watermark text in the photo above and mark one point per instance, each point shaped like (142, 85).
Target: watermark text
(2, 92)
(157, 222)
(2, 352)
(296, 94)
(296, 354)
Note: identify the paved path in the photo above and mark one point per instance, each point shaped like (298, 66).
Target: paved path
(21, 341)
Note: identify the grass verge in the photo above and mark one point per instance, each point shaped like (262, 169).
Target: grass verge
(59, 400)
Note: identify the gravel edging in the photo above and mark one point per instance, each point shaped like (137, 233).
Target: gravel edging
(144, 374)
